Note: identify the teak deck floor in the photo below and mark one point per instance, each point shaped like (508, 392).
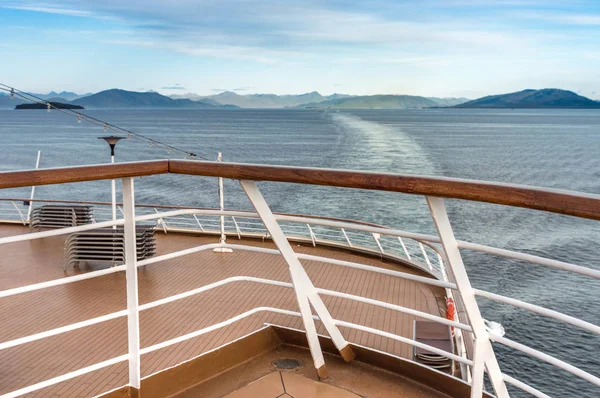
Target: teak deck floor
(40, 260)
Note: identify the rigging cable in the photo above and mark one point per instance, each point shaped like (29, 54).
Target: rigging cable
(98, 122)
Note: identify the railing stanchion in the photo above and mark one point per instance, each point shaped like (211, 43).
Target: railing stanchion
(346, 236)
(313, 238)
(223, 238)
(162, 222)
(442, 223)
(37, 166)
(113, 191)
(19, 211)
(133, 322)
(198, 221)
(425, 256)
(404, 248)
(237, 228)
(376, 237)
(306, 293)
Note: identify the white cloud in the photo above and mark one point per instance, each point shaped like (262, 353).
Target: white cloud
(385, 42)
(228, 52)
(268, 24)
(576, 19)
(52, 10)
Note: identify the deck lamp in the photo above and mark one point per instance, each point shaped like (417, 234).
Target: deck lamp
(112, 142)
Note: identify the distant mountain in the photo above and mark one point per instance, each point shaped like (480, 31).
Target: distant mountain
(63, 97)
(545, 98)
(449, 101)
(375, 102)
(192, 96)
(57, 99)
(116, 98)
(69, 96)
(262, 100)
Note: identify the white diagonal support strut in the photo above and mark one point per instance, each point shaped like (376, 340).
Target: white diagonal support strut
(483, 345)
(133, 320)
(305, 290)
(478, 369)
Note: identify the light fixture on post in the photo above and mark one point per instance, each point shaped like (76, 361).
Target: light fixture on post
(112, 142)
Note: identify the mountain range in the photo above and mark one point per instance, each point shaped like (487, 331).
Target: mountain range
(65, 95)
(375, 102)
(545, 98)
(116, 98)
(262, 100)
(121, 98)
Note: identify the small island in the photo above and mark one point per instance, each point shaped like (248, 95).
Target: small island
(56, 105)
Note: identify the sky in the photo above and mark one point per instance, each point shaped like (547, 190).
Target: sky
(445, 48)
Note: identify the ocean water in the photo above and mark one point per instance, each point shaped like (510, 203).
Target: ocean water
(554, 149)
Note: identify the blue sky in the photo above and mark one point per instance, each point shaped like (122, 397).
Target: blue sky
(430, 47)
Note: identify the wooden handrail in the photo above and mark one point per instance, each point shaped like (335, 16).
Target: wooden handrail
(556, 201)
(62, 175)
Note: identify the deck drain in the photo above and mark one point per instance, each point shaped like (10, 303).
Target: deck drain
(287, 363)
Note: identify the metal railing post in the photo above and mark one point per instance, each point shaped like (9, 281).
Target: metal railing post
(404, 248)
(425, 256)
(376, 237)
(133, 322)
(37, 166)
(19, 211)
(237, 228)
(161, 221)
(198, 221)
(223, 238)
(346, 236)
(465, 290)
(313, 238)
(306, 292)
(442, 267)
(113, 194)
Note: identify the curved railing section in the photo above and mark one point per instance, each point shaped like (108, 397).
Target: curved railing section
(454, 277)
(419, 253)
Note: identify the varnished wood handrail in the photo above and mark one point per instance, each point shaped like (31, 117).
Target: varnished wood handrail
(62, 175)
(556, 201)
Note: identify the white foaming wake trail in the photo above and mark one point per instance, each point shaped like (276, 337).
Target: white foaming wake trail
(383, 148)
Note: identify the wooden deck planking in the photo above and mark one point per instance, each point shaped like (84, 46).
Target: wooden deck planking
(58, 306)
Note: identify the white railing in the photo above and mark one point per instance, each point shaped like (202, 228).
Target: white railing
(420, 253)
(280, 228)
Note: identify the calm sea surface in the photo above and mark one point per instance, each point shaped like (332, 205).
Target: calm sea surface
(556, 149)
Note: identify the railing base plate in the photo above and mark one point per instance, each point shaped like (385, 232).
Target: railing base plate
(222, 250)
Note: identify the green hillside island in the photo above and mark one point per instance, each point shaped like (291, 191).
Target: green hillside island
(545, 98)
(55, 105)
(116, 98)
(375, 102)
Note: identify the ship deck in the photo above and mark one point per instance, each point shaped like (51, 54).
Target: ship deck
(41, 260)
